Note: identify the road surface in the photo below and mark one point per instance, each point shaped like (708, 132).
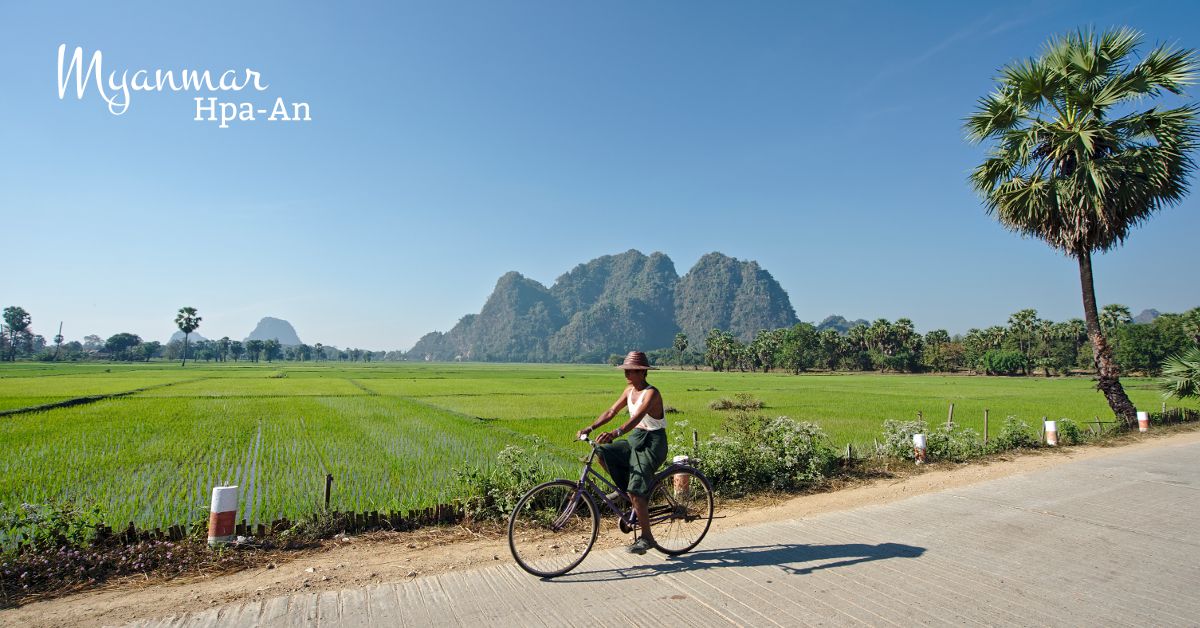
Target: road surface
(1099, 542)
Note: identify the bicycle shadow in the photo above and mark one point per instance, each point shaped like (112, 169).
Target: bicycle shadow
(794, 559)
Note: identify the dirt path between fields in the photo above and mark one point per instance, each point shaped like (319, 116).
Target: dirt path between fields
(387, 557)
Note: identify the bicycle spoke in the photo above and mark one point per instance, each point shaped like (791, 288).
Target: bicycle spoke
(552, 528)
(681, 509)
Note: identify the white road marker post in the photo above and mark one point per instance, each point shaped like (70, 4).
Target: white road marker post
(1143, 421)
(1052, 433)
(222, 516)
(919, 448)
(682, 480)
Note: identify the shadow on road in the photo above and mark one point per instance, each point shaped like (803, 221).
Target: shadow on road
(794, 559)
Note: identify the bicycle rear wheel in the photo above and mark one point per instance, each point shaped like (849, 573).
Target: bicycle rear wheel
(681, 509)
(553, 528)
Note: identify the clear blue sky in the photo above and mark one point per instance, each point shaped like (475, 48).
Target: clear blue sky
(454, 141)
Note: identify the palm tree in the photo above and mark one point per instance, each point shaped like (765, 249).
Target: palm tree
(1181, 375)
(1071, 163)
(188, 322)
(680, 345)
(1114, 316)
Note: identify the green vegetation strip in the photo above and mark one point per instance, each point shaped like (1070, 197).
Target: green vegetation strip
(77, 401)
(156, 439)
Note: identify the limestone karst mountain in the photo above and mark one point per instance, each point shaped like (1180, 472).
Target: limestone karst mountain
(276, 328)
(610, 305)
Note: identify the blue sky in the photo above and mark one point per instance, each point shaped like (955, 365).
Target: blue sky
(454, 141)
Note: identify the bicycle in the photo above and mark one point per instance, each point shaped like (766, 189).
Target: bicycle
(555, 524)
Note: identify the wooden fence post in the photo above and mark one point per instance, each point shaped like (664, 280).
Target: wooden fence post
(985, 426)
(950, 417)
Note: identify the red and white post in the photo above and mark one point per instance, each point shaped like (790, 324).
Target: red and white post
(1143, 421)
(682, 481)
(222, 516)
(919, 448)
(1052, 433)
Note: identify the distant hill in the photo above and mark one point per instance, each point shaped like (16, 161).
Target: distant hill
(613, 304)
(276, 328)
(193, 337)
(839, 324)
(724, 293)
(1147, 316)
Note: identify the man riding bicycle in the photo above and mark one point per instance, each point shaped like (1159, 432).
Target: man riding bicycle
(632, 462)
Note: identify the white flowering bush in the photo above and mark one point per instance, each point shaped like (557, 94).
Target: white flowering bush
(758, 453)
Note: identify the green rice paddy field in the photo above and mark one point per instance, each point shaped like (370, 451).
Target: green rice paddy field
(392, 434)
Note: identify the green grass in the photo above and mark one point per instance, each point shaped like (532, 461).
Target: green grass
(392, 435)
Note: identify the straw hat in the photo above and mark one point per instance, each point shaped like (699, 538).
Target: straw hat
(636, 361)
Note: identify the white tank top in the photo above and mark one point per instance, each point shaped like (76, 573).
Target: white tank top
(648, 422)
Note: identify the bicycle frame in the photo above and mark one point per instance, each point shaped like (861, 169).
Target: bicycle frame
(587, 482)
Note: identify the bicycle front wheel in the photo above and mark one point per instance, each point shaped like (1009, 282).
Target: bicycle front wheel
(553, 528)
(681, 509)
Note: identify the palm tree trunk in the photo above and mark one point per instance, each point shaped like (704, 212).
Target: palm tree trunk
(185, 343)
(1109, 375)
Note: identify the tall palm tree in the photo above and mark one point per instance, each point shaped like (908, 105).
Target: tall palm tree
(188, 322)
(1072, 162)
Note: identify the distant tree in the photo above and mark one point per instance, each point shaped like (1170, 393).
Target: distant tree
(223, 346)
(938, 354)
(1113, 316)
(1191, 325)
(1074, 163)
(318, 351)
(680, 346)
(253, 349)
(148, 350)
(92, 342)
(236, 349)
(188, 322)
(272, 349)
(1022, 331)
(18, 321)
(721, 350)
(831, 348)
(765, 348)
(118, 345)
(797, 347)
(58, 340)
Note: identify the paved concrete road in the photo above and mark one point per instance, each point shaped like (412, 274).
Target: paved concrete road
(1110, 541)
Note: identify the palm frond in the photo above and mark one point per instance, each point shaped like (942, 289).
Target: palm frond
(1181, 375)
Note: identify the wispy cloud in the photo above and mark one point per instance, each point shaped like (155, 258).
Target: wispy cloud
(989, 25)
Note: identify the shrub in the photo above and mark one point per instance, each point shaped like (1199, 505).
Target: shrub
(953, 443)
(947, 442)
(52, 525)
(1015, 434)
(897, 438)
(493, 493)
(740, 401)
(759, 453)
(1002, 362)
(1069, 432)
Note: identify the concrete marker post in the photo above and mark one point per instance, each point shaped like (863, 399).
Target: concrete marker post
(222, 516)
(1051, 433)
(682, 480)
(919, 448)
(1143, 421)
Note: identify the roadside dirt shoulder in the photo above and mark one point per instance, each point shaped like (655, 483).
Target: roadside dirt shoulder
(347, 562)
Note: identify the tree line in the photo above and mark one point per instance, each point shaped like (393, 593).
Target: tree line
(19, 340)
(1026, 345)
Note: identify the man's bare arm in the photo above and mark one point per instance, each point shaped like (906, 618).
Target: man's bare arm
(607, 415)
(634, 418)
